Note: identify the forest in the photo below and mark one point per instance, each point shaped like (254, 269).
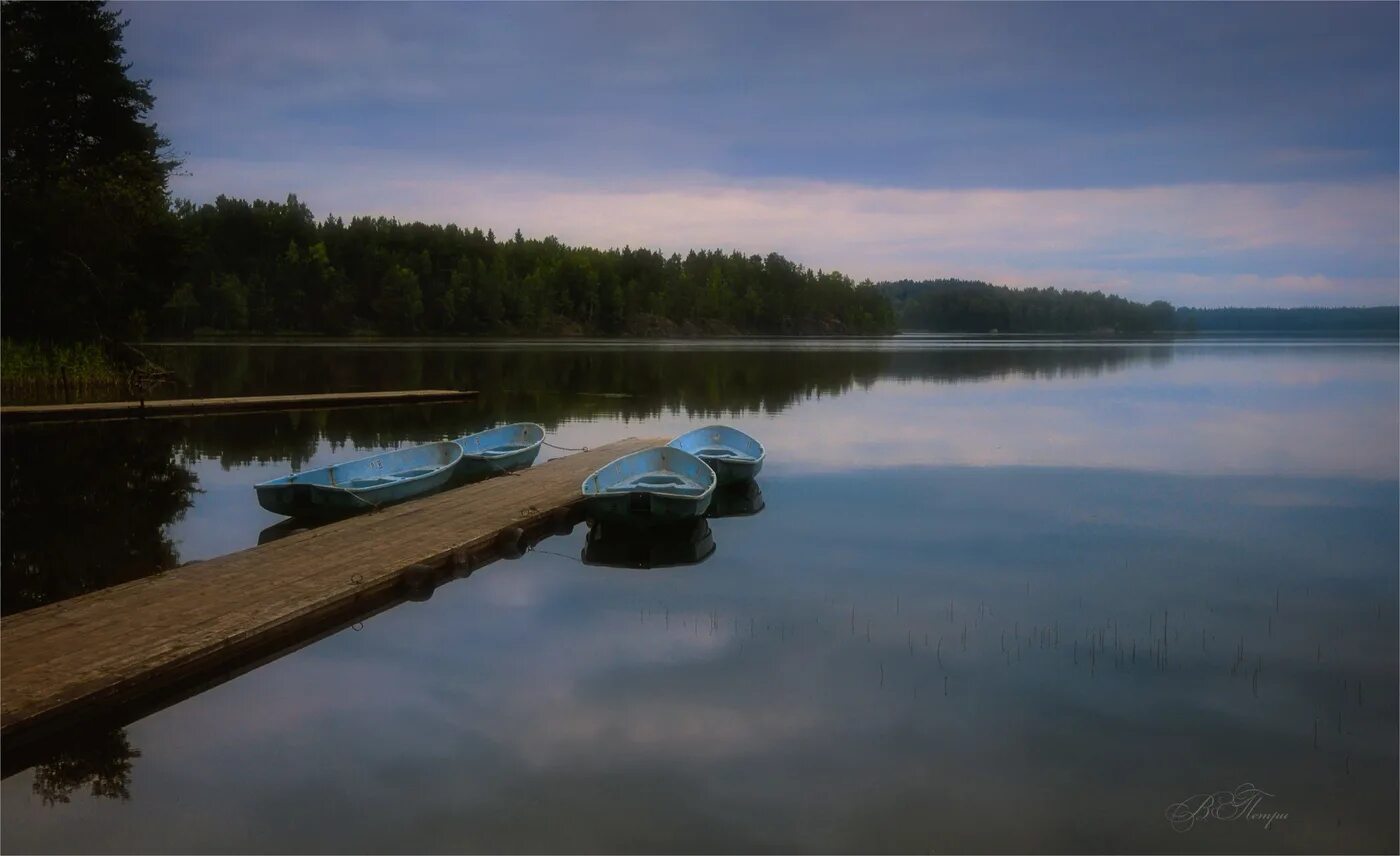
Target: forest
(969, 306)
(273, 268)
(1345, 319)
(96, 250)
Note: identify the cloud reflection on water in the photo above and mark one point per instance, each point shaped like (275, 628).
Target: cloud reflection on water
(542, 704)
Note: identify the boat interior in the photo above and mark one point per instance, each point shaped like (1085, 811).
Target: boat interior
(722, 452)
(499, 451)
(657, 480)
(501, 442)
(387, 478)
(720, 442)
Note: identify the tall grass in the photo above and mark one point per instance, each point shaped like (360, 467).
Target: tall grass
(30, 370)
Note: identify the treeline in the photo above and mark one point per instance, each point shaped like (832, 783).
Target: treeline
(1367, 319)
(271, 267)
(968, 306)
(93, 248)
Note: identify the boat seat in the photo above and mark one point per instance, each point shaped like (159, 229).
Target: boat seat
(664, 482)
(721, 452)
(498, 451)
(370, 481)
(414, 473)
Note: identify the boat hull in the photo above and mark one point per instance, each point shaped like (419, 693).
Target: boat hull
(650, 487)
(730, 471)
(498, 450)
(733, 455)
(644, 507)
(362, 484)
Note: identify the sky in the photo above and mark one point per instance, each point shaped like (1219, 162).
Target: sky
(1206, 154)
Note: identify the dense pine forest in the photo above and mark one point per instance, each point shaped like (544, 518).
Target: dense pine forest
(272, 267)
(1346, 319)
(967, 306)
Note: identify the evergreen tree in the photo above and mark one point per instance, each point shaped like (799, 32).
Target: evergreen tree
(88, 246)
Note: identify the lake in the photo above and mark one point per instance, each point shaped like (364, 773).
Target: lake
(1028, 595)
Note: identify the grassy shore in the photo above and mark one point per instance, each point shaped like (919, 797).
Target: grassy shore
(29, 369)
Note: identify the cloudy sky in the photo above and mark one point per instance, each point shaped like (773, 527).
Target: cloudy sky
(1218, 154)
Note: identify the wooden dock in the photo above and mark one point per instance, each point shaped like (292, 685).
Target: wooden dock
(209, 406)
(84, 657)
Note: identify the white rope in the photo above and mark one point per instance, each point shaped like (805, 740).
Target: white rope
(564, 448)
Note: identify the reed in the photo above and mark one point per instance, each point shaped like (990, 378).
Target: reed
(29, 369)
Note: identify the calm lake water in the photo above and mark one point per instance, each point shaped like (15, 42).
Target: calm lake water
(1000, 596)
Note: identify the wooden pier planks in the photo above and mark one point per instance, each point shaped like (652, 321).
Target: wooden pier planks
(207, 406)
(72, 658)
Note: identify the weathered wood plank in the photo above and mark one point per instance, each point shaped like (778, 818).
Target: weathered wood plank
(205, 406)
(107, 647)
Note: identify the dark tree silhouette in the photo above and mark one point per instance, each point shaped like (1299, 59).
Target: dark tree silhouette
(269, 267)
(88, 238)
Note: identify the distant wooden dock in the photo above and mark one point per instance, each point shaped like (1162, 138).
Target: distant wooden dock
(124, 645)
(209, 406)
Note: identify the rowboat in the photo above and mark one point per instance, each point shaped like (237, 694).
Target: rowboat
(732, 454)
(656, 485)
(361, 484)
(689, 542)
(498, 450)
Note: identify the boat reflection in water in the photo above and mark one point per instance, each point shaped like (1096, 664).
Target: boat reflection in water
(736, 500)
(617, 545)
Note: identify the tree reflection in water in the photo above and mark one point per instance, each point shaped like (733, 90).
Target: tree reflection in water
(100, 761)
(86, 506)
(121, 485)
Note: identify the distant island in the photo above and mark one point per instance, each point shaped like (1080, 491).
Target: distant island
(972, 306)
(1347, 319)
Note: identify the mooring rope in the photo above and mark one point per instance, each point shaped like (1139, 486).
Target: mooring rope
(533, 549)
(564, 448)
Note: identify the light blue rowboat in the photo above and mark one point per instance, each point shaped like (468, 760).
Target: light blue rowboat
(657, 485)
(498, 450)
(362, 484)
(732, 454)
